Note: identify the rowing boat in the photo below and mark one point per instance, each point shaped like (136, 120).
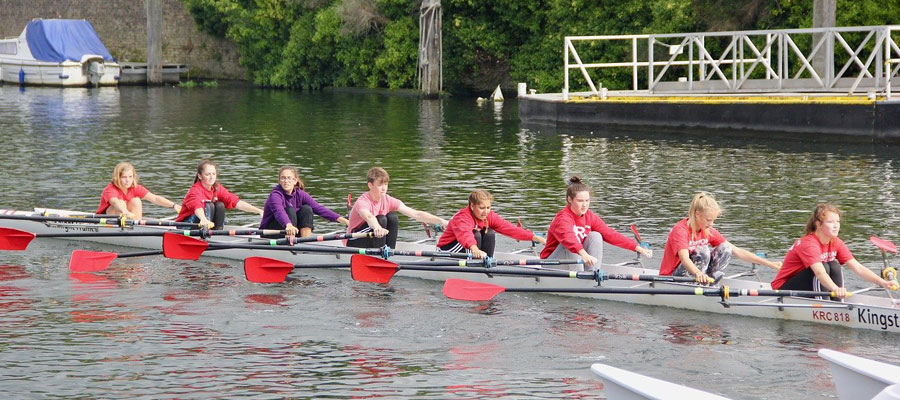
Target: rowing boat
(861, 311)
(857, 377)
(620, 384)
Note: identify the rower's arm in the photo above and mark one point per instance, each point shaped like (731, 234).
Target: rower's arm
(422, 216)
(161, 201)
(370, 219)
(685, 256)
(247, 207)
(753, 258)
(867, 274)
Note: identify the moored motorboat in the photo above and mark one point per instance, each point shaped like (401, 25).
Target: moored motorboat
(57, 52)
(861, 311)
(859, 378)
(620, 384)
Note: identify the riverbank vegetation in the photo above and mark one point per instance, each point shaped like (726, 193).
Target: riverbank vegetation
(374, 43)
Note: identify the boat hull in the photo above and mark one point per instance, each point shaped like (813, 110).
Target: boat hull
(862, 312)
(858, 377)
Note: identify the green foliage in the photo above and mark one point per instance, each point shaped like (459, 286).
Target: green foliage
(374, 43)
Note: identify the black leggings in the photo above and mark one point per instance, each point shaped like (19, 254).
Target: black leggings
(304, 217)
(389, 222)
(215, 212)
(485, 239)
(806, 279)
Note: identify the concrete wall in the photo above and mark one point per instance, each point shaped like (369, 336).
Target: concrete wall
(122, 26)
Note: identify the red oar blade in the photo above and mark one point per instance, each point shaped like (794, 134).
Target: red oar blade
(266, 270)
(461, 289)
(14, 239)
(182, 247)
(636, 234)
(371, 269)
(883, 244)
(90, 261)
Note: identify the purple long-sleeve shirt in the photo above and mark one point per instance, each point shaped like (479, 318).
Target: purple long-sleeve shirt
(279, 200)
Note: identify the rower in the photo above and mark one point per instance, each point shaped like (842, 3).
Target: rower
(695, 248)
(472, 228)
(290, 208)
(814, 262)
(122, 196)
(206, 201)
(376, 211)
(576, 232)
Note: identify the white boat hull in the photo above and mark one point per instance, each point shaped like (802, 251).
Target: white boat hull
(620, 384)
(859, 312)
(859, 378)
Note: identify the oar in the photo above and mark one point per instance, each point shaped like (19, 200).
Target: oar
(118, 221)
(377, 270)
(187, 248)
(15, 239)
(461, 289)
(269, 270)
(93, 261)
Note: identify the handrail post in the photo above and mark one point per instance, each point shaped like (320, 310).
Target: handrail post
(650, 41)
(566, 44)
(634, 61)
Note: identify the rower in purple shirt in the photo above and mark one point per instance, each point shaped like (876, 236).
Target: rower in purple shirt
(290, 208)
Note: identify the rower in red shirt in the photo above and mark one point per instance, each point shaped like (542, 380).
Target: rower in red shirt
(472, 228)
(695, 248)
(123, 194)
(814, 262)
(576, 232)
(205, 202)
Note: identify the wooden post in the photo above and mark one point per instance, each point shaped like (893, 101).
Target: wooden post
(154, 42)
(430, 71)
(823, 17)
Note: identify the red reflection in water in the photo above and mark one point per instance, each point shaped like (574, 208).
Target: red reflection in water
(463, 356)
(90, 288)
(183, 301)
(13, 272)
(480, 391)
(270, 299)
(696, 334)
(371, 319)
(13, 298)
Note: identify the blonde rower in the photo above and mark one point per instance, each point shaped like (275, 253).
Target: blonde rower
(695, 248)
(122, 196)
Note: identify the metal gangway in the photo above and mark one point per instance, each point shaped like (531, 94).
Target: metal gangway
(834, 61)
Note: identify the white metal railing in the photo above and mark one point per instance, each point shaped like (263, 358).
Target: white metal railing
(827, 60)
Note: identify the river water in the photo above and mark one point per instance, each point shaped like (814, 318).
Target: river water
(158, 328)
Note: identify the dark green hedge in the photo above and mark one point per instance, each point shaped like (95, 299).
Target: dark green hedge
(373, 43)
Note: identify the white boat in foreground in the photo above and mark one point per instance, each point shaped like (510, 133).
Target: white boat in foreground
(620, 384)
(57, 52)
(860, 378)
(860, 311)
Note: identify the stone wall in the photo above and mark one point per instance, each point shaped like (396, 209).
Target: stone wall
(122, 26)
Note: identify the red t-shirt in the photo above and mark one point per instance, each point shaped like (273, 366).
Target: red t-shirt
(680, 238)
(112, 191)
(460, 228)
(197, 195)
(808, 251)
(570, 231)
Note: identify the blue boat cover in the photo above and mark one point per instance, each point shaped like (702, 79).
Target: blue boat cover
(58, 40)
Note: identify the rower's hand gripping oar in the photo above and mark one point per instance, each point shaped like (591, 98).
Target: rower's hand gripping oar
(888, 272)
(461, 289)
